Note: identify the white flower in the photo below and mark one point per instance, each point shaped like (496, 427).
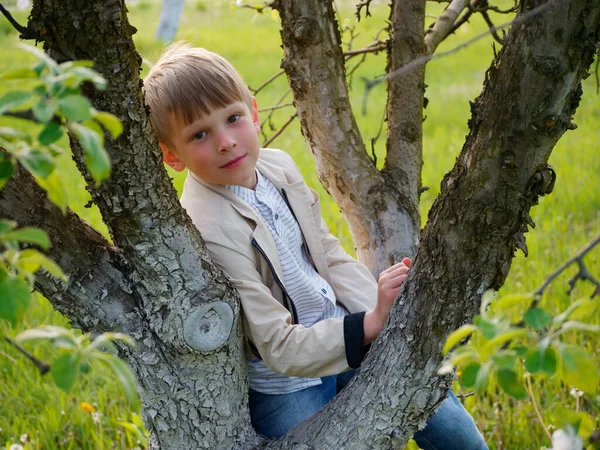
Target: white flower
(23, 4)
(24, 437)
(568, 440)
(96, 416)
(16, 447)
(576, 392)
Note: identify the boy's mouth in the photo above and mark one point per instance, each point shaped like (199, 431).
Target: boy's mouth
(234, 162)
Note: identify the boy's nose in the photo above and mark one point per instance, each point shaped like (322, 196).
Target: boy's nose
(225, 142)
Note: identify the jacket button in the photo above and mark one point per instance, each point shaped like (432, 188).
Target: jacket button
(276, 216)
(324, 291)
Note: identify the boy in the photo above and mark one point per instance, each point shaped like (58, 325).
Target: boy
(309, 309)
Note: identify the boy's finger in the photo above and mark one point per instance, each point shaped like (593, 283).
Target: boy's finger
(407, 262)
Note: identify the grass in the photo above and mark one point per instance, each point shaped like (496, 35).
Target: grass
(566, 220)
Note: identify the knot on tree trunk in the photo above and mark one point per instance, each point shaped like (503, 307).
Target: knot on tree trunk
(307, 31)
(208, 327)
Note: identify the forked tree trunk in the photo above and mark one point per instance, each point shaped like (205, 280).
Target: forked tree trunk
(158, 283)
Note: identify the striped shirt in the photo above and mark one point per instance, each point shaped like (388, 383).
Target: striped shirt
(312, 295)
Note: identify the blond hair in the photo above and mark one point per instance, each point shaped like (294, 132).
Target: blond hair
(189, 82)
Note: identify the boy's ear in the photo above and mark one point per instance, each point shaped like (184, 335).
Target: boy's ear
(171, 158)
(255, 117)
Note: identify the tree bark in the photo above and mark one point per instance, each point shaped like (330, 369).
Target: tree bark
(530, 94)
(189, 358)
(169, 19)
(373, 204)
(183, 312)
(404, 145)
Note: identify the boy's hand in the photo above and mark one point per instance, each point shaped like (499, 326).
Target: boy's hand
(388, 287)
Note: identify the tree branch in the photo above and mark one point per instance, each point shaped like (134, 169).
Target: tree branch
(314, 63)
(421, 61)
(442, 26)
(582, 274)
(468, 243)
(374, 47)
(267, 82)
(42, 366)
(98, 296)
(25, 32)
(364, 4)
(404, 143)
(278, 132)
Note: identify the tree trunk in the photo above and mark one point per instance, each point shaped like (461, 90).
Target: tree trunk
(169, 19)
(180, 308)
(189, 357)
(383, 220)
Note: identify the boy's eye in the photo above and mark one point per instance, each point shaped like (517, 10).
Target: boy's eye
(233, 118)
(200, 135)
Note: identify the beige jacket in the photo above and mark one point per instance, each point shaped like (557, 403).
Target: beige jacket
(240, 242)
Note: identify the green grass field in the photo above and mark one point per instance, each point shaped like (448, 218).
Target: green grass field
(33, 409)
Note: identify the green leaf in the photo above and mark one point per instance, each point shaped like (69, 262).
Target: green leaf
(52, 132)
(579, 368)
(75, 108)
(106, 339)
(39, 54)
(44, 110)
(584, 310)
(57, 193)
(15, 296)
(508, 301)
(541, 359)
(579, 326)
(81, 74)
(33, 260)
(537, 318)
(503, 337)
(7, 225)
(96, 158)
(96, 127)
(581, 306)
(18, 74)
(13, 99)
(486, 299)
(487, 327)
(47, 332)
(457, 336)
(110, 122)
(509, 382)
(468, 374)
(521, 350)
(12, 135)
(483, 375)
(39, 163)
(123, 374)
(30, 235)
(582, 423)
(7, 169)
(505, 359)
(64, 370)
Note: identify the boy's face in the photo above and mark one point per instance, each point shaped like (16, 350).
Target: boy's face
(219, 148)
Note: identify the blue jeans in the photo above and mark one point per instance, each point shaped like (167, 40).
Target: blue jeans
(451, 428)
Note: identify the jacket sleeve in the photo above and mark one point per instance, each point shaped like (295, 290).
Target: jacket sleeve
(287, 348)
